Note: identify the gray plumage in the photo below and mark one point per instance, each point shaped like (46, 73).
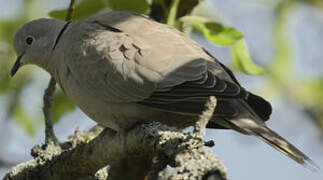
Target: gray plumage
(123, 68)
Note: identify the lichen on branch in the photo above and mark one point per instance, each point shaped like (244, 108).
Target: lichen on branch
(152, 149)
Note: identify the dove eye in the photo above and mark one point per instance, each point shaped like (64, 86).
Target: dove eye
(29, 40)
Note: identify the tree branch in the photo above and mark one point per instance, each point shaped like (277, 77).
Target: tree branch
(171, 148)
(50, 137)
(48, 99)
(70, 11)
(184, 152)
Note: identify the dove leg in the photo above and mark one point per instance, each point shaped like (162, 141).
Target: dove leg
(122, 134)
(122, 137)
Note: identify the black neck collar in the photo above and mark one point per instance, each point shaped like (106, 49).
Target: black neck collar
(60, 34)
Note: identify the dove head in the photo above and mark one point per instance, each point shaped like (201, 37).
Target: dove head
(34, 42)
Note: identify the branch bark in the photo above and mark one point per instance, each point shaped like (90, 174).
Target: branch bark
(184, 152)
(48, 99)
(153, 149)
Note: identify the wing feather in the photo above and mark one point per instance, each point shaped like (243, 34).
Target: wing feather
(139, 66)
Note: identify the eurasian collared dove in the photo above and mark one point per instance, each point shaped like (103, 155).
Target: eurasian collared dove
(122, 68)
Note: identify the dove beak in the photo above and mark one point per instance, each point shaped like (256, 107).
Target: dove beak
(16, 66)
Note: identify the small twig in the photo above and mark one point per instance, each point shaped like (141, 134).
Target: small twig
(206, 115)
(48, 96)
(209, 143)
(48, 99)
(70, 11)
(75, 137)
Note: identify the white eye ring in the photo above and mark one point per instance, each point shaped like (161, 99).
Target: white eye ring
(29, 40)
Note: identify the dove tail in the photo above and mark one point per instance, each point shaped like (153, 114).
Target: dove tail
(270, 137)
(279, 143)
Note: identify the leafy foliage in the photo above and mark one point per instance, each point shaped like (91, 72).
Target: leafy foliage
(178, 12)
(213, 31)
(307, 93)
(314, 88)
(83, 9)
(242, 60)
(227, 36)
(139, 6)
(88, 7)
(160, 10)
(9, 88)
(8, 28)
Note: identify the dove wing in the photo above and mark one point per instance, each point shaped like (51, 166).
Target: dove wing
(134, 59)
(129, 58)
(127, 63)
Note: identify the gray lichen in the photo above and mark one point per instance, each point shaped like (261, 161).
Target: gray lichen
(153, 150)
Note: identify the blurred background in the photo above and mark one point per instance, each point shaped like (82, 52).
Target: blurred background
(284, 39)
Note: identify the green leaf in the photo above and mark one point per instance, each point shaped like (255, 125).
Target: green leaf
(313, 90)
(58, 14)
(186, 7)
(221, 35)
(139, 6)
(281, 66)
(163, 10)
(311, 97)
(22, 118)
(8, 28)
(4, 83)
(171, 19)
(82, 10)
(61, 106)
(213, 31)
(242, 60)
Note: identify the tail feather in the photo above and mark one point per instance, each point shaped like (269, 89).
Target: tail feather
(261, 131)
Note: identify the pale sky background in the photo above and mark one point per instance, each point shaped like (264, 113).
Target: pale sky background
(245, 157)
